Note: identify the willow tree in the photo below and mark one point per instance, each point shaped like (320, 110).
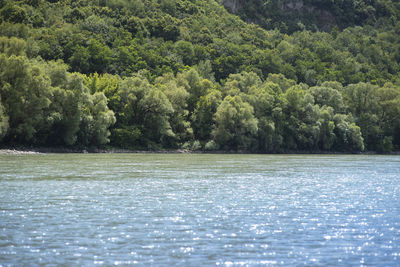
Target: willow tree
(26, 95)
(146, 112)
(235, 124)
(3, 122)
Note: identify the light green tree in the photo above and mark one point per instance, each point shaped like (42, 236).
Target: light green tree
(358, 98)
(177, 96)
(203, 115)
(148, 109)
(12, 46)
(327, 96)
(3, 122)
(95, 120)
(348, 134)
(301, 126)
(25, 93)
(326, 128)
(236, 127)
(241, 82)
(264, 99)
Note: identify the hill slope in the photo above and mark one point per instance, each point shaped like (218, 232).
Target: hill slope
(294, 15)
(172, 73)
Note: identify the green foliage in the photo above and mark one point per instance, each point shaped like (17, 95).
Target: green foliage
(96, 118)
(327, 126)
(147, 108)
(327, 96)
(93, 58)
(3, 122)
(290, 15)
(348, 134)
(185, 50)
(241, 82)
(236, 125)
(211, 146)
(144, 74)
(178, 97)
(265, 100)
(47, 105)
(126, 137)
(12, 46)
(13, 13)
(203, 115)
(25, 93)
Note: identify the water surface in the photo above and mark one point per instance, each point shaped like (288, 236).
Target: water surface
(196, 210)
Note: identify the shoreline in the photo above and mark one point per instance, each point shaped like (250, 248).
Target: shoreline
(58, 150)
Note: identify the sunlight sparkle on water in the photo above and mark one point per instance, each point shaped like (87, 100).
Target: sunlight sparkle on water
(229, 210)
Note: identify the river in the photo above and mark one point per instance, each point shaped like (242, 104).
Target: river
(199, 210)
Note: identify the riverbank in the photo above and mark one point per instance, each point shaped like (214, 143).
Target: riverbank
(57, 150)
(16, 152)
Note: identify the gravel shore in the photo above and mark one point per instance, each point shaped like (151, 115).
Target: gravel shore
(16, 152)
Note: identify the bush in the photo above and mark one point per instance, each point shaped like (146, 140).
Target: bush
(387, 145)
(211, 146)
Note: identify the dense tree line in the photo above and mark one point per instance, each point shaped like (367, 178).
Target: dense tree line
(147, 74)
(293, 15)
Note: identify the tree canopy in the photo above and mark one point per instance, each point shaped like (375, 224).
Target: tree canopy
(167, 74)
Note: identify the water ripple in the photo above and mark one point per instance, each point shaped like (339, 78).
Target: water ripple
(195, 210)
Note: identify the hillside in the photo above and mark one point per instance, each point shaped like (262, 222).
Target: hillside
(294, 15)
(147, 74)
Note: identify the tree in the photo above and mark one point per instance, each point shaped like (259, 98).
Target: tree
(348, 134)
(13, 13)
(185, 50)
(327, 136)
(264, 99)
(235, 124)
(388, 116)
(203, 115)
(95, 120)
(147, 108)
(281, 80)
(25, 92)
(79, 61)
(126, 60)
(96, 57)
(156, 110)
(358, 98)
(376, 111)
(241, 82)
(194, 85)
(3, 122)
(301, 128)
(12, 46)
(78, 116)
(327, 96)
(177, 96)
(107, 84)
(100, 56)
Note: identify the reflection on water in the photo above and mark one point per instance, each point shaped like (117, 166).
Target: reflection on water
(196, 210)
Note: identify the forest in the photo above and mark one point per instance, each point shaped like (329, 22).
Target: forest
(260, 76)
